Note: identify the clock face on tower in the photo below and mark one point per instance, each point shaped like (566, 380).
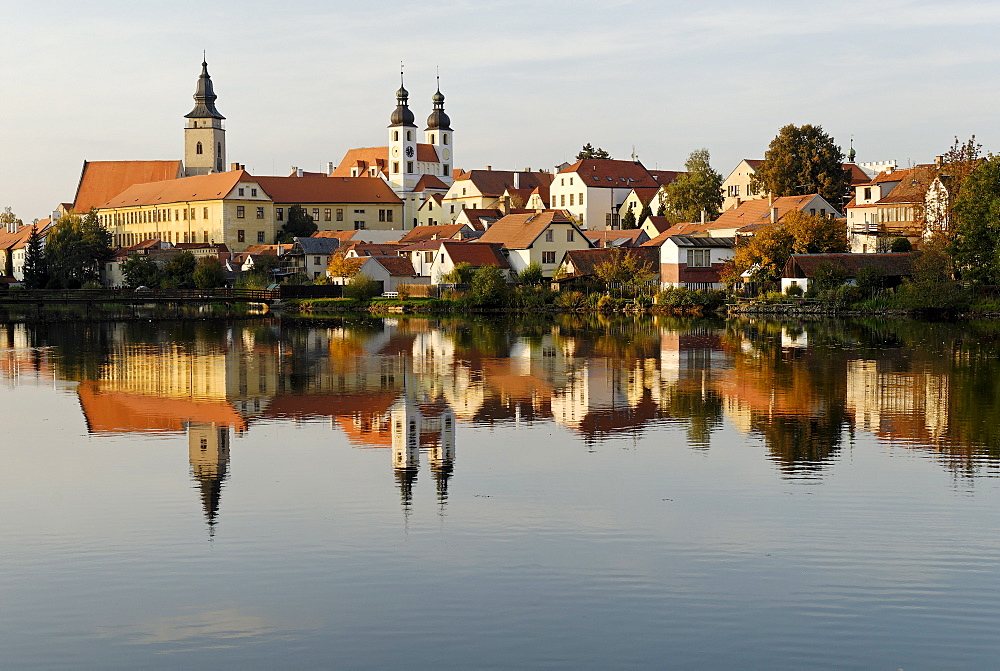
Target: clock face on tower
(409, 152)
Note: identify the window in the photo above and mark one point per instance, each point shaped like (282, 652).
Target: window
(409, 167)
(812, 211)
(452, 209)
(193, 217)
(562, 200)
(317, 261)
(868, 193)
(260, 212)
(409, 135)
(328, 214)
(205, 238)
(388, 215)
(359, 225)
(204, 213)
(444, 169)
(395, 136)
(548, 235)
(315, 214)
(381, 215)
(197, 148)
(445, 138)
(569, 235)
(395, 166)
(548, 257)
(359, 211)
(698, 258)
(241, 235)
(432, 139)
(218, 152)
(241, 191)
(428, 257)
(580, 201)
(253, 192)
(571, 199)
(463, 190)
(279, 213)
(340, 214)
(240, 212)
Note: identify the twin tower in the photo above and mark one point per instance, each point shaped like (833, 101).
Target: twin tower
(407, 161)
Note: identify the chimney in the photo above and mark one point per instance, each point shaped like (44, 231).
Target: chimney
(329, 167)
(517, 180)
(298, 172)
(489, 167)
(771, 208)
(295, 171)
(234, 166)
(939, 161)
(704, 215)
(527, 169)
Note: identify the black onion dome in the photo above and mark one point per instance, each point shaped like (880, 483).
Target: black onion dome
(401, 116)
(438, 120)
(204, 98)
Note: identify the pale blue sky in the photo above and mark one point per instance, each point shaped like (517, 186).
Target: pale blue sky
(527, 83)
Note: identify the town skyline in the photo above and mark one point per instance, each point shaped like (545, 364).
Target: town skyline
(512, 102)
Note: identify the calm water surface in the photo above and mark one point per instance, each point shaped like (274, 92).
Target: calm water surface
(577, 493)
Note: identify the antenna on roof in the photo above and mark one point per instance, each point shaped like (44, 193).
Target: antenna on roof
(635, 157)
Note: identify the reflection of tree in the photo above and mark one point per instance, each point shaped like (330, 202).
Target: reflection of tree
(702, 410)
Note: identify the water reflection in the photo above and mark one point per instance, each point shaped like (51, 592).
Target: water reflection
(802, 389)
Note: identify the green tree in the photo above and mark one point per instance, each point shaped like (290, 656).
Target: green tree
(209, 274)
(532, 274)
(77, 248)
(460, 274)
(829, 276)
(362, 287)
(698, 189)
(764, 256)
(9, 222)
(299, 224)
(626, 269)
(976, 223)
(179, 270)
(644, 215)
(803, 159)
(900, 245)
(628, 221)
(139, 270)
(815, 234)
(488, 286)
(588, 151)
(36, 272)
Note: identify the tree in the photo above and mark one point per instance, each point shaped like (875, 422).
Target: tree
(803, 159)
(36, 272)
(628, 221)
(815, 234)
(900, 245)
(362, 287)
(698, 189)
(299, 224)
(139, 270)
(625, 268)
(588, 151)
(179, 270)
(532, 274)
(77, 248)
(976, 243)
(644, 215)
(9, 221)
(460, 274)
(209, 274)
(764, 255)
(341, 266)
(488, 286)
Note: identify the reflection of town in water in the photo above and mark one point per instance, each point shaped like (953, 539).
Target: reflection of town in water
(404, 385)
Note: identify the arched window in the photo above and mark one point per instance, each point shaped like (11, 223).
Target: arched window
(445, 138)
(197, 148)
(218, 150)
(409, 135)
(432, 138)
(395, 136)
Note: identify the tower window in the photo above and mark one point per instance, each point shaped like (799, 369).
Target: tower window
(409, 136)
(395, 166)
(197, 148)
(395, 136)
(444, 169)
(218, 150)
(409, 167)
(444, 138)
(432, 138)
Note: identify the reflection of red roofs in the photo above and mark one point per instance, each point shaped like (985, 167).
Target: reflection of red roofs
(329, 405)
(121, 412)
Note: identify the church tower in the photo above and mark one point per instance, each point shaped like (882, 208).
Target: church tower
(204, 136)
(402, 143)
(439, 135)
(208, 453)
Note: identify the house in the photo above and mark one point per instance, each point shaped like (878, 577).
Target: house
(311, 256)
(593, 190)
(389, 271)
(692, 262)
(736, 188)
(800, 269)
(749, 216)
(14, 247)
(540, 237)
(625, 238)
(359, 249)
(538, 199)
(484, 189)
(421, 255)
(897, 203)
(112, 275)
(478, 220)
(476, 254)
(582, 264)
(336, 203)
(429, 212)
(655, 225)
(637, 200)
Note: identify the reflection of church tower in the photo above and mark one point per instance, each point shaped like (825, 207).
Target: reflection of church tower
(442, 455)
(406, 447)
(208, 452)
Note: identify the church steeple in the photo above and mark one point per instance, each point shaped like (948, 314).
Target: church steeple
(438, 120)
(204, 136)
(402, 116)
(204, 97)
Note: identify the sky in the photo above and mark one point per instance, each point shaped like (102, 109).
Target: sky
(526, 83)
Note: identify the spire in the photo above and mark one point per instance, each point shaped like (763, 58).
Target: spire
(401, 116)
(438, 120)
(851, 154)
(204, 96)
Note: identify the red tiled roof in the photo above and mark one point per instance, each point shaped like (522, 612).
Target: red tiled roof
(610, 173)
(664, 177)
(298, 190)
(201, 187)
(891, 265)
(419, 233)
(100, 181)
(476, 254)
(585, 261)
(517, 231)
(913, 187)
(343, 236)
(495, 182)
(430, 182)
(758, 212)
(395, 265)
(659, 223)
(856, 174)
(609, 236)
(364, 158)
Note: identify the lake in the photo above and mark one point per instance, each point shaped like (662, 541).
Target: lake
(573, 492)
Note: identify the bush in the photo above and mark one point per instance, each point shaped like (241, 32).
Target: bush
(488, 286)
(829, 276)
(900, 245)
(794, 290)
(532, 274)
(870, 280)
(91, 284)
(570, 300)
(362, 288)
